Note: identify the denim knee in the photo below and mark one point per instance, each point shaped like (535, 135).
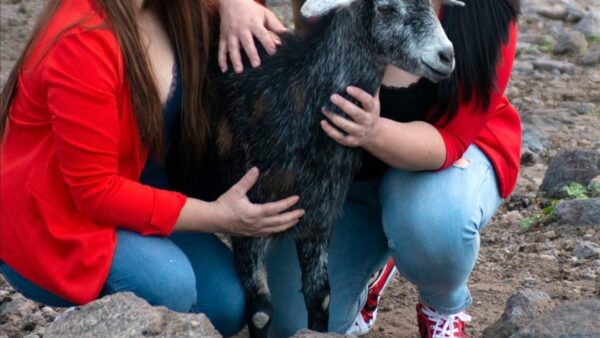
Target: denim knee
(224, 306)
(153, 268)
(430, 231)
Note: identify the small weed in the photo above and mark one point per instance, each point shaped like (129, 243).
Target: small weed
(593, 39)
(545, 216)
(530, 221)
(575, 190)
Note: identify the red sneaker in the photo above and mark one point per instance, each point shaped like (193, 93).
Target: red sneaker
(365, 319)
(435, 325)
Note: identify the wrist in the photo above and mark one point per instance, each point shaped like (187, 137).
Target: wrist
(376, 135)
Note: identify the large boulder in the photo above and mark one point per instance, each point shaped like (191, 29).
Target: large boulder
(569, 166)
(520, 309)
(125, 315)
(578, 319)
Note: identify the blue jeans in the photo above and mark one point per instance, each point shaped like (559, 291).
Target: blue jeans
(429, 222)
(187, 272)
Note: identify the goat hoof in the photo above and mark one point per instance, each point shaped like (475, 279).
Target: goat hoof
(260, 319)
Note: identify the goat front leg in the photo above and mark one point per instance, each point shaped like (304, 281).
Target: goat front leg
(312, 255)
(249, 260)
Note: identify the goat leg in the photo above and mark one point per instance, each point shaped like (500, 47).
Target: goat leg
(249, 260)
(312, 255)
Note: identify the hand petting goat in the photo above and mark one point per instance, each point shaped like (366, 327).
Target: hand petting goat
(360, 125)
(241, 22)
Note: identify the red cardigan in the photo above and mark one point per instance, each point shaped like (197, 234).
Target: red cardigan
(71, 159)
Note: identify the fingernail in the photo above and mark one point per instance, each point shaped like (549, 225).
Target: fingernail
(255, 63)
(271, 50)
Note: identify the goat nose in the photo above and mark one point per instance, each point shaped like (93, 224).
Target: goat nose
(446, 55)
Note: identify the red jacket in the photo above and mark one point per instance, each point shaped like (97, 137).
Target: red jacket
(71, 159)
(497, 132)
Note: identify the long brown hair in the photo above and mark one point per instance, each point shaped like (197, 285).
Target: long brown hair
(188, 25)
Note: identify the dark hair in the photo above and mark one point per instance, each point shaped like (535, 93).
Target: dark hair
(478, 32)
(187, 23)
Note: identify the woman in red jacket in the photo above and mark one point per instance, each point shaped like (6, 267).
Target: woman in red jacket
(438, 160)
(90, 111)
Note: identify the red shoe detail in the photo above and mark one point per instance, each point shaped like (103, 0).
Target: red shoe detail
(435, 325)
(376, 287)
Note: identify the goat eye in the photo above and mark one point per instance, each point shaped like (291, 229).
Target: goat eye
(385, 9)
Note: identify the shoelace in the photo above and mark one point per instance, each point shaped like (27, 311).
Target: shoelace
(444, 324)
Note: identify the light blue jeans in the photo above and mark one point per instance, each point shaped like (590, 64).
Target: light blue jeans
(428, 221)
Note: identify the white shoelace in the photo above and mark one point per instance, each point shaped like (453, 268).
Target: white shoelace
(444, 324)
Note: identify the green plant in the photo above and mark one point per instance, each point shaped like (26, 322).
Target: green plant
(593, 39)
(545, 216)
(530, 221)
(575, 190)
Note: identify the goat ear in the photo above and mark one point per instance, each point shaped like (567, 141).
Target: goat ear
(315, 8)
(453, 3)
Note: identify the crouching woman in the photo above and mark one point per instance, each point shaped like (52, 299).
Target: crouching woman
(102, 92)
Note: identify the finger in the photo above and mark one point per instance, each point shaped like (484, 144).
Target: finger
(265, 38)
(250, 48)
(343, 123)
(273, 23)
(233, 47)
(335, 134)
(281, 219)
(223, 55)
(366, 100)
(274, 208)
(356, 113)
(247, 182)
(275, 38)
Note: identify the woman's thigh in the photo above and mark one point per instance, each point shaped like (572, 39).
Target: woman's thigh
(435, 217)
(358, 247)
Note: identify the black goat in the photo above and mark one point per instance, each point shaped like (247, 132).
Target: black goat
(269, 118)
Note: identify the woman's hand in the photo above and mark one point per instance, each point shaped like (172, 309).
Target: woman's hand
(243, 218)
(361, 127)
(241, 21)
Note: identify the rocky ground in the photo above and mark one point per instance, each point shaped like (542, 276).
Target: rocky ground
(542, 248)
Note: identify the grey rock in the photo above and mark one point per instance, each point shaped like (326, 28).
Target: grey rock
(573, 43)
(553, 65)
(573, 320)
(579, 212)
(304, 333)
(556, 12)
(125, 315)
(575, 11)
(586, 250)
(592, 57)
(590, 25)
(520, 309)
(570, 166)
(534, 140)
(18, 307)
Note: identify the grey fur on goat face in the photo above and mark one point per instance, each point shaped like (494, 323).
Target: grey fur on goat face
(404, 33)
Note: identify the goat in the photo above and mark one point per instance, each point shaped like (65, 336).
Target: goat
(269, 118)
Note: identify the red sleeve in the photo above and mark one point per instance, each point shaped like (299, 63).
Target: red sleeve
(82, 79)
(461, 132)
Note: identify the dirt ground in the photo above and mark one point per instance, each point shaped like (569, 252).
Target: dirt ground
(563, 107)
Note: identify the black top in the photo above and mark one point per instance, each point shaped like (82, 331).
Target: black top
(402, 105)
(155, 173)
